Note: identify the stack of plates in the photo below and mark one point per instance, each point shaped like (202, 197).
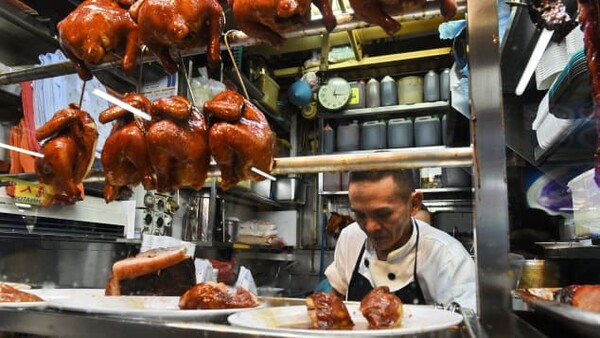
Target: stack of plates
(570, 96)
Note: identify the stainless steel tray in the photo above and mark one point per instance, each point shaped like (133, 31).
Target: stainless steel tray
(581, 322)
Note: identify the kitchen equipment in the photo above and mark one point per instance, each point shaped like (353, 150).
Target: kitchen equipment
(270, 90)
(331, 181)
(372, 94)
(357, 98)
(455, 177)
(300, 93)
(586, 198)
(269, 291)
(388, 92)
(328, 139)
(540, 273)
(231, 228)
(347, 137)
(410, 90)
(400, 133)
(373, 135)
(290, 189)
(196, 220)
(431, 86)
(261, 188)
(427, 131)
(445, 84)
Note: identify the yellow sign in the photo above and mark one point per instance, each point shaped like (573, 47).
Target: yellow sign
(31, 193)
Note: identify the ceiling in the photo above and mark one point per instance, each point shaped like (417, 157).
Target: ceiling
(28, 28)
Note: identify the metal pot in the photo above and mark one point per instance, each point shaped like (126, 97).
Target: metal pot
(539, 273)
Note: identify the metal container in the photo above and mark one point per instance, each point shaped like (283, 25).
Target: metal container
(290, 189)
(261, 188)
(540, 273)
(197, 227)
(231, 229)
(410, 90)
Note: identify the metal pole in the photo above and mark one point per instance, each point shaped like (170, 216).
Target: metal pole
(489, 170)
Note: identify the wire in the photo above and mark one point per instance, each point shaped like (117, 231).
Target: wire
(235, 67)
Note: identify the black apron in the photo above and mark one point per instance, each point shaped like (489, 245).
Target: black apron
(410, 294)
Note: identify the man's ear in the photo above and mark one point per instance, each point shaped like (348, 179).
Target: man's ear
(416, 198)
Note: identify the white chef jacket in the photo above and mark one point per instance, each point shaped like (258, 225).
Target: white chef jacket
(445, 270)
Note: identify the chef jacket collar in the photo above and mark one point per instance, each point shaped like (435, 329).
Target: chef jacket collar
(399, 253)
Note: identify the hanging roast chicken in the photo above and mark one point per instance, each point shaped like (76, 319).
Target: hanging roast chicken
(239, 139)
(95, 29)
(125, 156)
(68, 151)
(178, 144)
(380, 12)
(266, 20)
(180, 24)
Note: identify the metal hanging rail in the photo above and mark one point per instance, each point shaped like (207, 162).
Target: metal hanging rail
(346, 22)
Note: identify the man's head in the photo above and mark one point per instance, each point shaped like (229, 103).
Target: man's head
(383, 202)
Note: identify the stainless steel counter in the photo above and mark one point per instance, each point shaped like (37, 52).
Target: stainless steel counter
(52, 323)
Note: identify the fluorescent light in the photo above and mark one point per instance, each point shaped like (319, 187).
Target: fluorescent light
(121, 104)
(536, 55)
(21, 150)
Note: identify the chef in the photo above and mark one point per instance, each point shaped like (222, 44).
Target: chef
(388, 246)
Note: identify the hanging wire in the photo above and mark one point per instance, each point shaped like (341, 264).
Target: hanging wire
(235, 66)
(81, 96)
(187, 79)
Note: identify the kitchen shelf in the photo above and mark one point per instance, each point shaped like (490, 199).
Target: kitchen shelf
(425, 191)
(425, 108)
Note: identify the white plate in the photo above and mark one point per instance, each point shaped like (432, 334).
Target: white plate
(48, 294)
(23, 304)
(415, 319)
(136, 307)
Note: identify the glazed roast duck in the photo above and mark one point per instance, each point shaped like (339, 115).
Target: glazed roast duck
(178, 144)
(125, 156)
(71, 136)
(95, 29)
(380, 12)
(267, 20)
(179, 24)
(240, 138)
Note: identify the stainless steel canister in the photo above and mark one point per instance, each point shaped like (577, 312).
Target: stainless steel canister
(196, 226)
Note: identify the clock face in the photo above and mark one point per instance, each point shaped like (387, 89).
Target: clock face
(334, 94)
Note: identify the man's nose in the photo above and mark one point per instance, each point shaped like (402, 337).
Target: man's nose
(371, 225)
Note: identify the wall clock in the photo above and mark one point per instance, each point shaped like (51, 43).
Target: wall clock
(334, 94)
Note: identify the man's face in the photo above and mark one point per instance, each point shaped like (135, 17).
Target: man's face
(382, 213)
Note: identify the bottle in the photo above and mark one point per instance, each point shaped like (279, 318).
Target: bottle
(431, 87)
(357, 99)
(373, 135)
(427, 131)
(400, 133)
(328, 139)
(410, 90)
(388, 92)
(373, 99)
(445, 85)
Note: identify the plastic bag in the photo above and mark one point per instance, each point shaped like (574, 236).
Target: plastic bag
(204, 271)
(245, 280)
(204, 88)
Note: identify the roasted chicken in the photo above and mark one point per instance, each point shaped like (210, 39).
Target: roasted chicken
(68, 151)
(125, 156)
(337, 222)
(239, 139)
(178, 144)
(381, 308)
(327, 311)
(180, 24)
(9, 294)
(266, 20)
(211, 295)
(586, 297)
(93, 30)
(380, 12)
